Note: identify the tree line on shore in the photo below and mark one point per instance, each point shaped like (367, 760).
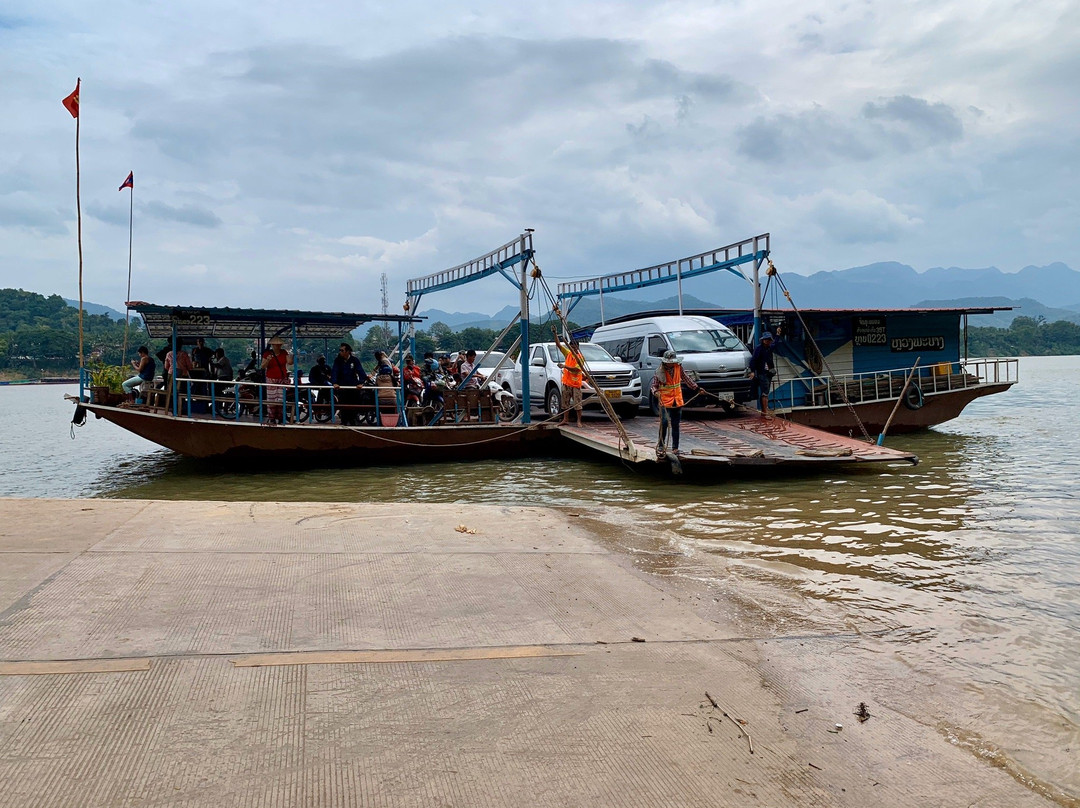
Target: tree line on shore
(1025, 336)
(39, 336)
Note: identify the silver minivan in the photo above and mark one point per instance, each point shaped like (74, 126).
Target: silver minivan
(712, 355)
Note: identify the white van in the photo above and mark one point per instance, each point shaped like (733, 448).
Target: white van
(712, 356)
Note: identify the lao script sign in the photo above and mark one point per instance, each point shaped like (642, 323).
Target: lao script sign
(904, 344)
(869, 331)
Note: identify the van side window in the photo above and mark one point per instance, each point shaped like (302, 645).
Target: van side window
(633, 349)
(657, 345)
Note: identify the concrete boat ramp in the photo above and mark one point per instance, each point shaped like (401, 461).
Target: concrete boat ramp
(217, 654)
(746, 439)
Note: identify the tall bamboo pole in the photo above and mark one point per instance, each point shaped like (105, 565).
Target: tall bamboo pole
(78, 213)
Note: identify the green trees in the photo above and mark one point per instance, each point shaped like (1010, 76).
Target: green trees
(1026, 336)
(39, 333)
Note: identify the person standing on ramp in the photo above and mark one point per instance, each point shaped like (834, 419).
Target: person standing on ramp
(667, 384)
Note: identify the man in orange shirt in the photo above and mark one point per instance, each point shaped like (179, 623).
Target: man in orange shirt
(571, 378)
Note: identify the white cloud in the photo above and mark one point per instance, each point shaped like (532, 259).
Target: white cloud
(332, 143)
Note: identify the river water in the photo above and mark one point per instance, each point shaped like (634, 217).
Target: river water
(968, 565)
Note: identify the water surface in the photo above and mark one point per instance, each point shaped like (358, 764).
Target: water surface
(969, 563)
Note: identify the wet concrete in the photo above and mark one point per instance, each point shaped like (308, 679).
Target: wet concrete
(196, 653)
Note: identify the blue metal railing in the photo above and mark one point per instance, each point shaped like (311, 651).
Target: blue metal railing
(258, 402)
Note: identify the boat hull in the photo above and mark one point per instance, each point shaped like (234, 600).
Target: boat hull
(937, 408)
(331, 444)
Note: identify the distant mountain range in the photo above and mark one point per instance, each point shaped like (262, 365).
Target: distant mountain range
(1032, 292)
(1051, 291)
(96, 308)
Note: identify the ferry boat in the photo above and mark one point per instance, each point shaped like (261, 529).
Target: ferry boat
(847, 371)
(290, 421)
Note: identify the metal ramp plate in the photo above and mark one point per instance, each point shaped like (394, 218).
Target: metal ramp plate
(739, 440)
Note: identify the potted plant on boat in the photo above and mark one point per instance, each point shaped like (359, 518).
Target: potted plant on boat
(105, 384)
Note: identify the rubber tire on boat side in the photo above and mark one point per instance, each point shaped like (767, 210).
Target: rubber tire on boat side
(913, 397)
(553, 400)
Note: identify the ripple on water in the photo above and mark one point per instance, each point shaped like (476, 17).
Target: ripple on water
(972, 557)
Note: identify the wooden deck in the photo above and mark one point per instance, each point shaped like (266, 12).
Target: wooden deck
(743, 439)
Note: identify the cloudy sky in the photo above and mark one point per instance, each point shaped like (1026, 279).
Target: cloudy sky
(288, 154)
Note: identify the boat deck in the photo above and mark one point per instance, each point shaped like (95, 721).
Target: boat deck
(743, 439)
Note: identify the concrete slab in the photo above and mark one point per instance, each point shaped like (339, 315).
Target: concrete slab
(410, 684)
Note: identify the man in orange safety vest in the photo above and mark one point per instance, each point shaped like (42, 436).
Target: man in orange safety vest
(667, 385)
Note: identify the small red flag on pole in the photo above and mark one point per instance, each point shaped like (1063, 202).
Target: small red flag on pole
(71, 103)
(129, 182)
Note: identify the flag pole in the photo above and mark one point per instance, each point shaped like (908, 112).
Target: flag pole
(78, 213)
(127, 311)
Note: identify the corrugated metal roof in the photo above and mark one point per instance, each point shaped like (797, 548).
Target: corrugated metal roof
(229, 323)
(806, 312)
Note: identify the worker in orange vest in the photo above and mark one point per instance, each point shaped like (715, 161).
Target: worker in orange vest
(667, 385)
(571, 378)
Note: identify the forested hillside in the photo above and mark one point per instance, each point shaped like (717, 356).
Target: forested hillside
(40, 334)
(1026, 336)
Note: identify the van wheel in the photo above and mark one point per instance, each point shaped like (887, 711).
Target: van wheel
(654, 406)
(553, 401)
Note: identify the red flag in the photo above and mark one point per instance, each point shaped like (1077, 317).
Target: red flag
(71, 103)
(129, 182)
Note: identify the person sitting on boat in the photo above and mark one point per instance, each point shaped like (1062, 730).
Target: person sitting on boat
(383, 367)
(145, 367)
(414, 382)
(429, 367)
(222, 366)
(276, 362)
(347, 376)
(571, 377)
(666, 387)
(251, 367)
(762, 370)
(469, 379)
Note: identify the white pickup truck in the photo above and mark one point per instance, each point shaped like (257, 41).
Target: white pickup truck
(619, 382)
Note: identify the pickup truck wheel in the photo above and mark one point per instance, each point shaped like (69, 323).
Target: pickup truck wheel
(727, 406)
(553, 401)
(627, 412)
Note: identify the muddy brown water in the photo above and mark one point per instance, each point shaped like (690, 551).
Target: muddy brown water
(966, 567)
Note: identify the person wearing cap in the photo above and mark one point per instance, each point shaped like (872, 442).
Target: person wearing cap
(666, 387)
(276, 362)
(762, 370)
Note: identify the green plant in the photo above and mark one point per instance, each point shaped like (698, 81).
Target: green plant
(110, 376)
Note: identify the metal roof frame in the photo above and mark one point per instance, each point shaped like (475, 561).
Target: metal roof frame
(230, 323)
(750, 250)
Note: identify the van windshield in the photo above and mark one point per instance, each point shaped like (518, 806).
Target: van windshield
(704, 341)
